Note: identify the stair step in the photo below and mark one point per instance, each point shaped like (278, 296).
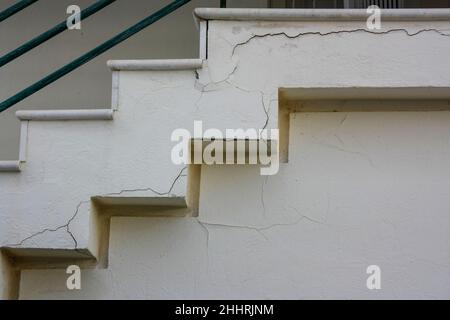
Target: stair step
(65, 115)
(10, 166)
(257, 14)
(36, 258)
(165, 64)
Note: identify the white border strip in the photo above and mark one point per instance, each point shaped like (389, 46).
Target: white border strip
(115, 90)
(203, 40)
(366, 93)
(319, 14)
(9, 166)
(142, 65)
(23, 141)
(65, 115)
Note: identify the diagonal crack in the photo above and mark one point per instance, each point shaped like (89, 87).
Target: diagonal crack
(66, 226)
(263, 185)
(206, 230)
(209, 224)
(259, 229)
(159, 193)
(359, 153)
(266, 111)
(263, 103)
(204, 87)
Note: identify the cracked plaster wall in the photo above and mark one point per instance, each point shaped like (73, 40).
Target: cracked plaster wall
(48, 204)
(358, 190)
(355, 193)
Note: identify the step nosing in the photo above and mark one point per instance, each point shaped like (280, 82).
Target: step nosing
(258, 14)
(156, 65)
(65, 115)
(10, 166)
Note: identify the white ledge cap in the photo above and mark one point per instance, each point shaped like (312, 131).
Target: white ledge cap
(166, 64)
(65, 115)
(366, 93)
(319, 14)
(9, 166)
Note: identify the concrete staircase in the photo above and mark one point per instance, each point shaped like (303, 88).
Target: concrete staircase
(79, 168)
(75, 226)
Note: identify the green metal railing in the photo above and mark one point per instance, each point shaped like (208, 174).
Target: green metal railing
(92, 54)
(19, 6)
(99, 5)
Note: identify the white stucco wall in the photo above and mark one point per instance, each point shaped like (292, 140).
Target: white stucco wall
(360, 188)
(174, 36)
(354, 194)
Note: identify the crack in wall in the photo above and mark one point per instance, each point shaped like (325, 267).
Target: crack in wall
(259, 229)
(66, 226)
(168, 193)
(203, 88)
(266, 109)
(359, 153)
(324, 34)
(206, 230)
(343, 119)
(263, 204)
(70, 221)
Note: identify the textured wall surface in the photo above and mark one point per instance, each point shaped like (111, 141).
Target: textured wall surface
(356, 193)
(90, 86)
(360, 188)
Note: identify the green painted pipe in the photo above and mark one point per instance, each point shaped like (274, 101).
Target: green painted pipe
(99, 5)
(91, 54)
(19, 6)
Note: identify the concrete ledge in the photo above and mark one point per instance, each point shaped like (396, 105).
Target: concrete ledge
(36, 258)
(229, 148)
(142, 65)
(355, 99)
(319, 14)
(366, 93)
(150, 202)
(9, 166)
(65, 115)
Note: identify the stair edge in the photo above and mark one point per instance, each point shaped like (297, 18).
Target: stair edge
(143, 65)
(67, 115)
(10, 166)
(256, 14)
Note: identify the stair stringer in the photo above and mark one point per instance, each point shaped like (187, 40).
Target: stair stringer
(75, 171)
(230, 58)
